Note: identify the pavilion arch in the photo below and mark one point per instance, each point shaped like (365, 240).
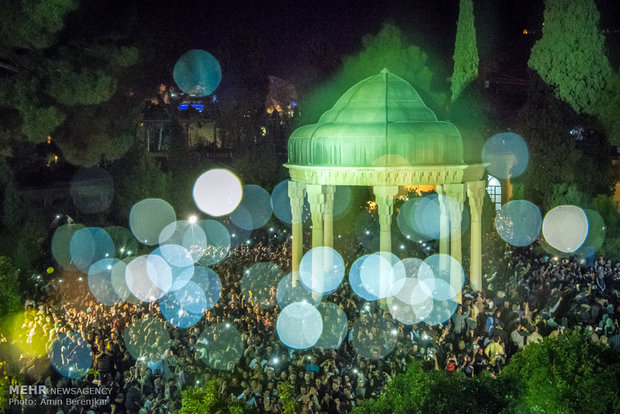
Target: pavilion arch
(381, 134)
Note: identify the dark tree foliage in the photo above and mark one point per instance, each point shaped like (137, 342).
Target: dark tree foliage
(571, 57)
(565, 148)
(465, 50)
(208, 399)
(565, 374)
(9, 280)
(75, 90)
(420, 391)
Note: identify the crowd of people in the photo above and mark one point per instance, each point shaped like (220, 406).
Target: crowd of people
(526, 297)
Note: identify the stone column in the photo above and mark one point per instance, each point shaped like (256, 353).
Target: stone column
(444, 228)
(296, 192)
(316, 198)
(384, 197)
(444, 221)
(475, 194)
(456, 192)
(328, 216)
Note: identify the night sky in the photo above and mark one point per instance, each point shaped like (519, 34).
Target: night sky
(282, 38)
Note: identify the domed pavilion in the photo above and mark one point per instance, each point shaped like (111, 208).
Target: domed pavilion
(381, 134)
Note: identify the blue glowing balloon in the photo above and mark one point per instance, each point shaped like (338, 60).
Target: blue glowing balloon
(321, 270)
(210, 284)
(90, 245)
(377, 274)
(197, 73)
(184, 307)
(518, 222)
(374, 337)
(355, 280)
(335, 326)
(507, 155)
(148, 218)
(427, 216)
(100, 281)
(71, 355)
(406, 221)
(565, 228)
(254, 210)
(189, 235)
(221, 346)
(299, 325)
(445, 279)
(218, 242)
(61, 244)
(177, 262)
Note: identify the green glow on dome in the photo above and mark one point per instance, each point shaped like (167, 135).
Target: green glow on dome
(380, 121)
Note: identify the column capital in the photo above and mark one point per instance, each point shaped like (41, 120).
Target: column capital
(455, 191)
(296, 193)
(475, 195)
(316, 197)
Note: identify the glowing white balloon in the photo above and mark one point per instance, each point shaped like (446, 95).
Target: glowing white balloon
(299, 325)
(565, 228)
(217, 192)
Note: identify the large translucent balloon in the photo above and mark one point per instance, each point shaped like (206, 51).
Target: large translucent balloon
(185, 306)
(197, 73)
(178, 263)
(367, 230)
(217, 243)
(565, 228)
(321, 270)
(377, 274)
(406, 301)
(255, 208)
(92, 190)
(221, 346)
(596, 229)
(140, 282)
(209, 282)
(299, 325)
(188, 235)
(148, 218)
(89, 245)
(146, 338)
(355, 280)
(61, 242)
(71, 355)
(117, 279)
(406, 221)
(335, 326)
(342, 200)
(100, 281)
(518, 222)
(125, 244)
(217, 192)
(507, 155)
(446, 278)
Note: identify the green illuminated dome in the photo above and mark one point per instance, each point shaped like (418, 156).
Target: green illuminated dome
(379, 122)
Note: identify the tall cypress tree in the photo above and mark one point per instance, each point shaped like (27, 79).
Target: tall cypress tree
(570, 56)
(465, 50)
